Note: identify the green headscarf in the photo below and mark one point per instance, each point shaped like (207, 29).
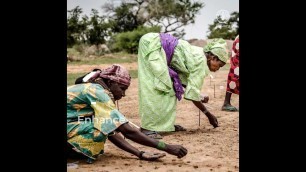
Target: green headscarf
(219, 48)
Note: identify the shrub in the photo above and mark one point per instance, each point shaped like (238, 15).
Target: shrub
(128, 41)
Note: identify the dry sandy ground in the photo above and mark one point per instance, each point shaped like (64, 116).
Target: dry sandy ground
(209, 149)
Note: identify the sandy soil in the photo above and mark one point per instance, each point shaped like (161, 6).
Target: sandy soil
(209, 149)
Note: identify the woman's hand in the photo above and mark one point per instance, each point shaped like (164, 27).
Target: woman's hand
(212, 119)
(151, 156)
(176, 150)
(204, 98)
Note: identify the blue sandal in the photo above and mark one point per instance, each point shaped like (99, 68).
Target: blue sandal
(229, 108)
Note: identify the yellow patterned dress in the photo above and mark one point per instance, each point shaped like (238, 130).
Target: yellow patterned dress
(86, 132)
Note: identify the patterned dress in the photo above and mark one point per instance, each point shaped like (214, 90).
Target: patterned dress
(233, 76)
(86, 132)
(157, 100)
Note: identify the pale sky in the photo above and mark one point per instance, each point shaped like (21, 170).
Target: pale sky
(197, 30)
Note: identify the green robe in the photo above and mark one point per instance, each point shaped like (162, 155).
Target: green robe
(88, 135)
(157, 100)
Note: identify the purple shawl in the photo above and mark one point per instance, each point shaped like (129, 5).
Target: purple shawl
(168, 43)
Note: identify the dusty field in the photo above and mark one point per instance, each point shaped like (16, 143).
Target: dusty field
(209, 149)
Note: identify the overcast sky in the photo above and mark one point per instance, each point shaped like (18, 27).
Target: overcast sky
(197, 30)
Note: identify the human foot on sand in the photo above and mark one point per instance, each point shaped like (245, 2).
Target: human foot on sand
(179, 128)
(229, 108)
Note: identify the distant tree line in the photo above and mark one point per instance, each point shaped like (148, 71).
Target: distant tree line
(120, 27)
(226, 29)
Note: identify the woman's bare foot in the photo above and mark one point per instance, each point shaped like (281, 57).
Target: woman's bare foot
(229, 108)
(179, 128)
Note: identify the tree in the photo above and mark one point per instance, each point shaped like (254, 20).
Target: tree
(225, 29)
(93, 30)
(75, 26)
(97, 29)
(124, 17)
(170, 15)
(129, 41)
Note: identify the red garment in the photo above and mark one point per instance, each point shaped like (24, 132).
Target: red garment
(233, 75)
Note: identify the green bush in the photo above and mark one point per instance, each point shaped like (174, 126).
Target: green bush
(128, 41)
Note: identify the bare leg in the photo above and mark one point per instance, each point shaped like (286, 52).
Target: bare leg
(227, 100)
(227, 103)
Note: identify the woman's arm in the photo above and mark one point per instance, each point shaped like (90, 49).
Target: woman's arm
(123, 144)
(138, 137)
(212, 119)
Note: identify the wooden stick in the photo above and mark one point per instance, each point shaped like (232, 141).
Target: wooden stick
(199, 118)
(214, 90)
(210, 76)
